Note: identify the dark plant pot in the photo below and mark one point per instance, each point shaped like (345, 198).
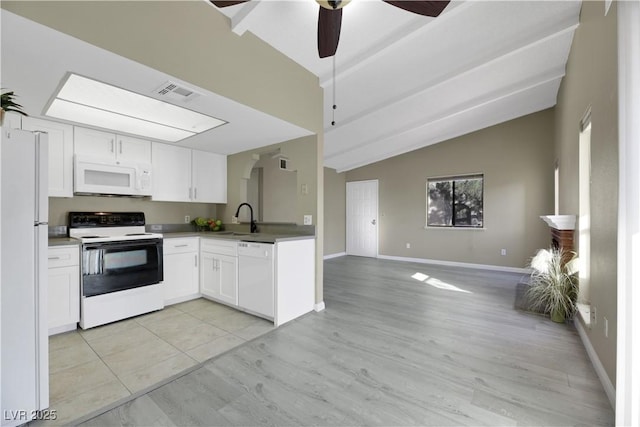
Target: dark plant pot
(557, 316)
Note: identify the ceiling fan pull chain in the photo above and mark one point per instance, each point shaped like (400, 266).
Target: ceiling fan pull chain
(333, 111)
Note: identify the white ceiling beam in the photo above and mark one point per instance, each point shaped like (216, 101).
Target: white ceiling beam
(240, 22)
(409, 30)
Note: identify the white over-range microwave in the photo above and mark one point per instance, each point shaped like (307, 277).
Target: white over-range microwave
(98, 176)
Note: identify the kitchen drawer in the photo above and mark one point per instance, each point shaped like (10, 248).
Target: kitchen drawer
(219, 246)
(64, 256)
(180, 245)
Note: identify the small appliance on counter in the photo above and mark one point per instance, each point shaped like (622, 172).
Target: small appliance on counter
(121, 266)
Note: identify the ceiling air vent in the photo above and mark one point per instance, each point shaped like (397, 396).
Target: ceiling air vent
(176, 92)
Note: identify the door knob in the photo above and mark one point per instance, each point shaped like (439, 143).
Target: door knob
(373, 221)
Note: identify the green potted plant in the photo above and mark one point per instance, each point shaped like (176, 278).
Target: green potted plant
(7, 103)
(553, 287)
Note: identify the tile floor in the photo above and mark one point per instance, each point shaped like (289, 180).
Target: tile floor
(97, 367)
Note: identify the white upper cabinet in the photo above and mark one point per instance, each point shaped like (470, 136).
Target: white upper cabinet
(209, 177)
(12, 120)
(110, 146)
(171, 173)
(131, 149)
(185, 175)
(60, 137)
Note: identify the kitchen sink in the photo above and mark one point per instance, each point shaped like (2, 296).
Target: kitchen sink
(231, 233)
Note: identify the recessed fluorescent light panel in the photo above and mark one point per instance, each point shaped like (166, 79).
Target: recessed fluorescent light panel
(93, 103)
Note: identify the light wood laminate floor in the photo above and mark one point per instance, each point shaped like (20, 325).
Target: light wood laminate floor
(444, 346)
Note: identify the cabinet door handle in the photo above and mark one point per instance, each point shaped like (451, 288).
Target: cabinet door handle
(112, 143)
(190, 193)
(180, 246)
(196, 259)
(54, 257)
(120, 146)
(195, 193)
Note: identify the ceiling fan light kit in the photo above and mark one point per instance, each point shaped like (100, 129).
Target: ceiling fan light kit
(330, 17)
(333, 4)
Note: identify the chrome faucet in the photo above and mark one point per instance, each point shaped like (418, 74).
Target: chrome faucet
(254, 226)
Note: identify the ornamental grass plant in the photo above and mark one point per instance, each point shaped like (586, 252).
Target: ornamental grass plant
(553, 288)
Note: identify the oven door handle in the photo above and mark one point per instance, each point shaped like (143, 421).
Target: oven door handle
(122, 244)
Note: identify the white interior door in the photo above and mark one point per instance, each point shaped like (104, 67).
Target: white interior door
(362, 218)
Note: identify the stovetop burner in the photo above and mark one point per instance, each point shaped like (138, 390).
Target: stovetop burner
(98, 227)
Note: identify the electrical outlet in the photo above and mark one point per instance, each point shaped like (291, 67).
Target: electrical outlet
(234, 220)
(304, 189)
(606, 327)
(308, 219)
(503, 252)
(156, 227)
(187, 219)
(408, 245)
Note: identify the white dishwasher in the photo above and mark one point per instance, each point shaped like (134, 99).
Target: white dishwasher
(255, 278)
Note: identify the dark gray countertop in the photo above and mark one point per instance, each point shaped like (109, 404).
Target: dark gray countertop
(63, 241)
(245, 237)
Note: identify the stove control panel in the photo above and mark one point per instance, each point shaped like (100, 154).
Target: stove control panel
(105, 219)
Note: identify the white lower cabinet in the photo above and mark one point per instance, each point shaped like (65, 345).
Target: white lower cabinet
(63, 288)
(181, 263)
(219, 270)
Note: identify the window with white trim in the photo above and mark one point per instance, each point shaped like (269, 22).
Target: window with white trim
(455, 201)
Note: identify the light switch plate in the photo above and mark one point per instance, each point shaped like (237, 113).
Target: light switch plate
(308, 219)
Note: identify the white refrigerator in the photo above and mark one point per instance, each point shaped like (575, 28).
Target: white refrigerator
(24, 350)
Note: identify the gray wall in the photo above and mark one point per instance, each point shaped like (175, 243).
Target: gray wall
(279, 190)
(155, 212)
(591, 80)
(335, 185)
(516, 158)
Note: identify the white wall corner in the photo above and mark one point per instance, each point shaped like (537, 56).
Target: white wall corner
(318, 306)
(609, 389)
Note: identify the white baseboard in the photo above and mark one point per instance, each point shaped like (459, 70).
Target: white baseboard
(63, 328)
(319, 306)
(339, 254)
(458, 264)
(595, 361)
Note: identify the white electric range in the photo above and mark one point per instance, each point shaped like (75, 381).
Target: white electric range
(121, 266)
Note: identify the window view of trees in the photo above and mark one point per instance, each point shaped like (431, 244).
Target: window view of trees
(455, 201)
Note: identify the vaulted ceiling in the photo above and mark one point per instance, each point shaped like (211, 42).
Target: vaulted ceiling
(404, 81)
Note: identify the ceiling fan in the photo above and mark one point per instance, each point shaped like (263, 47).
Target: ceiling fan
(330, 17)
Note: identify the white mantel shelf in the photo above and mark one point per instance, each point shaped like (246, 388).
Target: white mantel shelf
(560, 222)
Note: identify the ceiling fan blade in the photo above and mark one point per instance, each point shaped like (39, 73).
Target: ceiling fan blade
(225, 3)
(329, 23)
(421, 7)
